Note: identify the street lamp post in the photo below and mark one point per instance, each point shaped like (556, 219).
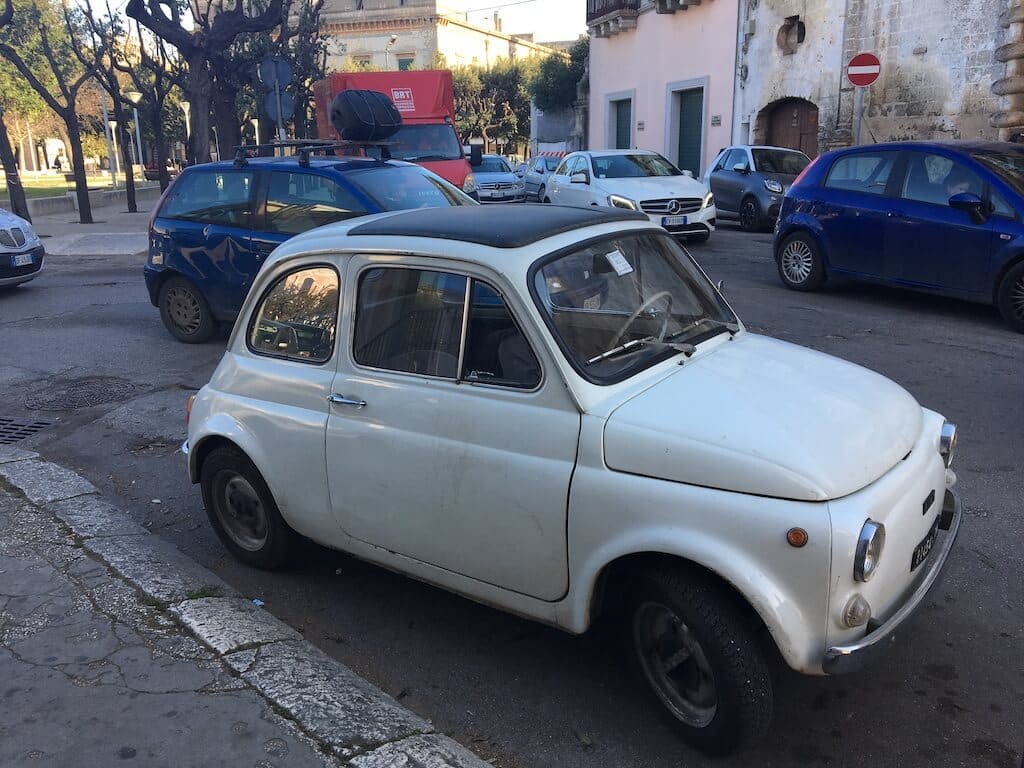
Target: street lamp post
(387, 51)
(186, 107)
(116, 166)
(135, 97)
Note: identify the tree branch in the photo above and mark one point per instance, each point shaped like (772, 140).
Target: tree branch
(8, 13)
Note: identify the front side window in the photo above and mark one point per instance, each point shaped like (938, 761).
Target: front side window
(538, 165)
(621, 304)
(633, 166)
(736, 157)
(211, 197)
(297, 317)
(297, 202)
(563, 167)
(862, 172)
(934, 179)
(497, 352)
(398, 188)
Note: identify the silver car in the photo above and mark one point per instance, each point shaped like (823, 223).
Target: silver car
(537, 175)
(496, 182)
(749, 182)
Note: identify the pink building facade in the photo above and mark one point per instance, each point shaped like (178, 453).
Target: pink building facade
(662, 77)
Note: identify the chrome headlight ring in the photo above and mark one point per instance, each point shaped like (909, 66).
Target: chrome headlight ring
(947, 442)
(869, 550)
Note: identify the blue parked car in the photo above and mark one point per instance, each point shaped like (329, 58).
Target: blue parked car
(218, 222)
(942, 217)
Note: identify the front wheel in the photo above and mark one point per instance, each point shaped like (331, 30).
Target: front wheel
(1010, 298)
(699, 658)
(750, 215)
(800, 264)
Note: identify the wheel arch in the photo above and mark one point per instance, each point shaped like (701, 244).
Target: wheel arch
(812, 229)
(1007, 265)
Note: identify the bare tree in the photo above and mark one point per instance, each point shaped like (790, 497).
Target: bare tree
(16, 192)
(215, 26)
(64, 79)
(8, 12)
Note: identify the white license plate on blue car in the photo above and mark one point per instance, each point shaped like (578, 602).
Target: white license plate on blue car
(673, 221)
(21, 260)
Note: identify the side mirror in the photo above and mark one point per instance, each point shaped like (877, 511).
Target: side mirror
(741, 168)
(580, 178)
(687, 172)
(970, 204)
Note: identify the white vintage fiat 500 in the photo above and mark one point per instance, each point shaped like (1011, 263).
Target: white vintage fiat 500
(554, 412)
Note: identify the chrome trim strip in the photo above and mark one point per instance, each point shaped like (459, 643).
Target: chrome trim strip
(841, 659)
(465, 327)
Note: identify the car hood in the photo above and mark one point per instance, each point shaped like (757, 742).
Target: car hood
(653, 187)
(765, 417)
(8, 220)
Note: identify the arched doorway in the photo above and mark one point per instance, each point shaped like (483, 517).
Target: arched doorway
(792, 123)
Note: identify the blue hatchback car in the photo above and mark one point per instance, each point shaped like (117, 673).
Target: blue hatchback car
(218, 222)
(931, 216)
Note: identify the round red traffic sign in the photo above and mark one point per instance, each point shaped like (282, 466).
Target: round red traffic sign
(863, 69)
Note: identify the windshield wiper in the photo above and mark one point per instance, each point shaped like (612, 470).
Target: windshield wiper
(732, 328)
(650, 341)
(420, 158)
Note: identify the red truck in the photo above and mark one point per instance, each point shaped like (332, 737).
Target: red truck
(426, 101)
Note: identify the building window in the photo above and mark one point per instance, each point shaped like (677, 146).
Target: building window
(361, 62)
(405, 61)
(622, 122)
(791, 34)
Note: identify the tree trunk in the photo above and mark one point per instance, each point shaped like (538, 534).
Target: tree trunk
(229, 131)
(160, 144)
(200, 88)
(14, 189)
(78, 166)
(121, 117)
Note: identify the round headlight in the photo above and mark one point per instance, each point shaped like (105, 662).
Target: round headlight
(869, 550)
(947, 442)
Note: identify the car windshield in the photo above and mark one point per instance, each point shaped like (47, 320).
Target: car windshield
(397, 188)
(784, 161)
(623, 303)
(633, 166)
(493, 165)
(419, 143)
(1009, 166)
(552, 162)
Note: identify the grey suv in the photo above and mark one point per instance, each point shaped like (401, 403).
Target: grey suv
(749, 182)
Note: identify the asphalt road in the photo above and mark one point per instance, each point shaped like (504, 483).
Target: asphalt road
(525, 695)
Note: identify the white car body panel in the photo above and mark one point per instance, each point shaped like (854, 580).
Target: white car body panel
(521, 500)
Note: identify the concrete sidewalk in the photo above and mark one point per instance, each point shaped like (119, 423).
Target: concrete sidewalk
(114, 231)
(99, 622)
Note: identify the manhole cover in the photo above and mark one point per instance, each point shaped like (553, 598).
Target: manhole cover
(12, 430)
(80, 393)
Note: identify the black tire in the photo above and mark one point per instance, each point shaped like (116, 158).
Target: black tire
(800, 264)
(185, 312)
(750, 215)
(540, 193)
(719, 693)
(243, 512)
(1010, 297)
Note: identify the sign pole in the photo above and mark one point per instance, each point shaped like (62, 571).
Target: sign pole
(281, 133)
(858, 112)
(862, 71)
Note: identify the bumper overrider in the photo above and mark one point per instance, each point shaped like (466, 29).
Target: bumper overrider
(841, 659)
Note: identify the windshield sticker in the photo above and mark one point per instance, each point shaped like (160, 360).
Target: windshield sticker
(619, 263)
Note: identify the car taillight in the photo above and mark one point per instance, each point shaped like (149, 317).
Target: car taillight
(804, 172)
(188, 408)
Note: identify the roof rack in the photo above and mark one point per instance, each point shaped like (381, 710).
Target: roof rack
(306, 147)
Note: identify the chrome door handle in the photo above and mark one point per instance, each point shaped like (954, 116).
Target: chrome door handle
(342, 400)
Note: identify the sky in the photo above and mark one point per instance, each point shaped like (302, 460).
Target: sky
(547, 19)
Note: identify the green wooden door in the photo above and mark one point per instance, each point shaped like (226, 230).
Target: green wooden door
(691, 129)
(623, 123)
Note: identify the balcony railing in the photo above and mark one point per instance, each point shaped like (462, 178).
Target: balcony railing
(609, 17)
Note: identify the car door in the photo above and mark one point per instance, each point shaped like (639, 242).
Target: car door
(929, 244)
(205, 231)
(295, 202)
(559, 190)
(728, 185)
(853, 210)
(533, 176)
(464, 469)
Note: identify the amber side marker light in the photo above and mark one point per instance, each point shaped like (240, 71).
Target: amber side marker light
(797, 537)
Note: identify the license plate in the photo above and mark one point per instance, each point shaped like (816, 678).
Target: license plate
(21, 260)
(673, 221)
(922, 550)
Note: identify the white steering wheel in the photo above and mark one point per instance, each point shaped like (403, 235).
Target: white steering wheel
(639, 311)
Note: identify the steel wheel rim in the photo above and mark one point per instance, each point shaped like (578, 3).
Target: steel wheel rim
(184, 310)
(797, 261)
(1017, 299)
(240, 512)
(675, 664)
(748, 215)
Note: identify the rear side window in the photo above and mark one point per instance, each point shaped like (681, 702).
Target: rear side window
(297, 202)
(211, 197)
(410, 320)
(862, 172)
(297, 317)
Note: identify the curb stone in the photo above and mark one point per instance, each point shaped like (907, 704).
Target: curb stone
(354, 719)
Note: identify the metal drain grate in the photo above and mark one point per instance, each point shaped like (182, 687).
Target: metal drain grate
(80, 393)
(12, 430)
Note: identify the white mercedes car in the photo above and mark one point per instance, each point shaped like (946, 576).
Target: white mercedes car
(558, 415)
(21, 250)
(636, 180)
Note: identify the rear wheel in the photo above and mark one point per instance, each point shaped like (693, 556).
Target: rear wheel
(697, 655)
(800, 264)
(184, 311)
(1010, 298)
(750, 215)
(540, 194)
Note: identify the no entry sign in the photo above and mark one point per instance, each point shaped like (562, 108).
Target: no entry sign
(863, 69)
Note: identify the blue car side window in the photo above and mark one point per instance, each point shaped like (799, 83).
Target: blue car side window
(862, 172)
(934, 179)
(211, 197)
(297, 202)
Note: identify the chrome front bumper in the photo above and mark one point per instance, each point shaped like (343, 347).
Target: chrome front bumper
(841, 659)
